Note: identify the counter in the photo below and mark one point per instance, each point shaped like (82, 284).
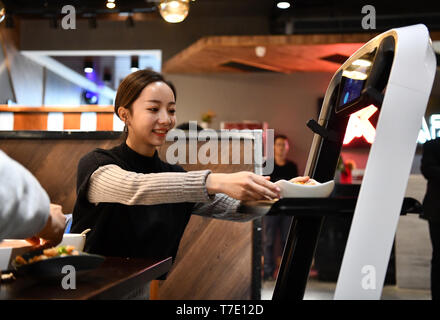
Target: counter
(116, 278)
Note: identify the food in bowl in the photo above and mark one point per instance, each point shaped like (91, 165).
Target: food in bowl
(77, 240)
(310, 182)
(309, 189)
(60, 251)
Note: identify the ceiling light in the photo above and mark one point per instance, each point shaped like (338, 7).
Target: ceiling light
(88, 66)
(283, 5)
(174, 11)
(260, 51)
(362, 63)
(355, 75)
(110, 4)
(2, 11)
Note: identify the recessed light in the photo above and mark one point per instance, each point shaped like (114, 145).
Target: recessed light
(283, 5)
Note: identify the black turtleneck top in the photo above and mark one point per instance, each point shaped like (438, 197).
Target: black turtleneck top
(123, 230)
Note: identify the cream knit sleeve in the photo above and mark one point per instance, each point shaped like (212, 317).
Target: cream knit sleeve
(111, 183)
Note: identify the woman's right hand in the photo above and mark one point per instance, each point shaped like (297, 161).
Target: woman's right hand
(242, 185)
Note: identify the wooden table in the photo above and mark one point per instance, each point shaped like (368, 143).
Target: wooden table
(116, 278)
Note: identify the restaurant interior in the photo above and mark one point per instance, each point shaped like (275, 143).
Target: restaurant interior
(248, 64)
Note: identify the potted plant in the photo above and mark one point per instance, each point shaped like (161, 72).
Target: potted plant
(207, 119)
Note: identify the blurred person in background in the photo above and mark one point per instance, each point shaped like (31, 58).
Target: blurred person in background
(431, 208)
(274, 225)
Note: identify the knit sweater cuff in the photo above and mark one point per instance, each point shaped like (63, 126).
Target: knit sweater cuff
(194, 186)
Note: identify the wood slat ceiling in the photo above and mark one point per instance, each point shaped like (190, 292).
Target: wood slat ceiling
(284, 54)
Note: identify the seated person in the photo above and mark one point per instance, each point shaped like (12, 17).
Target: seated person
(25, 209)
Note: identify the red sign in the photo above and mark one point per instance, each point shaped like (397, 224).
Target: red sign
(359, 125)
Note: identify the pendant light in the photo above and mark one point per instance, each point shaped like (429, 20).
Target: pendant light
(174, 11)
(2, 11)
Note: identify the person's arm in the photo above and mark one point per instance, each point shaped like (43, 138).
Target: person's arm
(430, 166)
(24, 205)
(112, 184)
(223, 207)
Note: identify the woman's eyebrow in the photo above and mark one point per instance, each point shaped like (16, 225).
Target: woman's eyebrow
(159, 102)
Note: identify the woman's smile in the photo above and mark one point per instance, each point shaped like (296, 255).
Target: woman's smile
(160, 132)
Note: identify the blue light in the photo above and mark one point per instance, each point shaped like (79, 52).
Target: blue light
(90, 97)
(346, 97)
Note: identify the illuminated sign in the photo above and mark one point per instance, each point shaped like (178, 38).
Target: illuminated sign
(359, 125)
(427, 133)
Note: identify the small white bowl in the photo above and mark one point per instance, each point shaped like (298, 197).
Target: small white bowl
(294, 190)
(77, 240)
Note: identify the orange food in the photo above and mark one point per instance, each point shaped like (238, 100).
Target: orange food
(310, 182)
(61, 251)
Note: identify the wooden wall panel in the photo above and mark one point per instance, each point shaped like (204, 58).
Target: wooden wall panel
(214, 260)
(284, 53)
(30, 121)
(72, 121)
(35, 118)
(104, 122)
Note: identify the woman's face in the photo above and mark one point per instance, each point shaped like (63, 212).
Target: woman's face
(152, 115)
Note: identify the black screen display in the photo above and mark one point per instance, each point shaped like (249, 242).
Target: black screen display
(351, 90)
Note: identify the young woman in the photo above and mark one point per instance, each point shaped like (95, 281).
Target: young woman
(138, 205)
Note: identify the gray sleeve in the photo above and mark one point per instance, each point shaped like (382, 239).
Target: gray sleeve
(225, 208)
(24, 204)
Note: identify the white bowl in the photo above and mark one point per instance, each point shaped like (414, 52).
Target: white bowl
(74, 239)
(294, 190)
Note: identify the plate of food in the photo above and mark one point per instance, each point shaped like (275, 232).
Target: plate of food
(309, 189)
(50, 262)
